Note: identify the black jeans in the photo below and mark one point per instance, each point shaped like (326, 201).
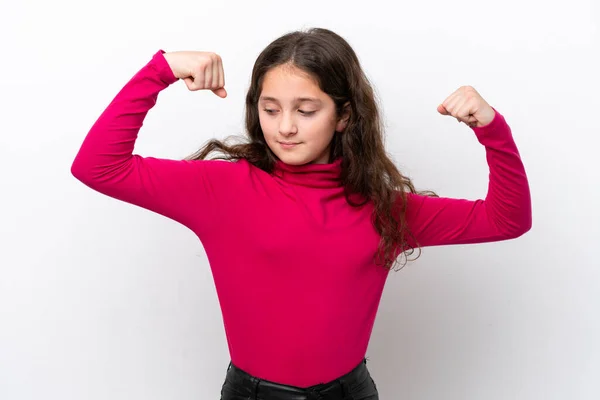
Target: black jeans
(355, 385)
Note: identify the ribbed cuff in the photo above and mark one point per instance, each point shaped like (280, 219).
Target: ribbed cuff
(162, 67)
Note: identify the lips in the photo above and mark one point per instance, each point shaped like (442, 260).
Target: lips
(288, 145)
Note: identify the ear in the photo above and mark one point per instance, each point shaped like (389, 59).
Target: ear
(344, 118)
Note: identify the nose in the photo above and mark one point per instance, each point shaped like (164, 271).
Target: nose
(287, 125)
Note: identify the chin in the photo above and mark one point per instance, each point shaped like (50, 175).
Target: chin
(293, 160)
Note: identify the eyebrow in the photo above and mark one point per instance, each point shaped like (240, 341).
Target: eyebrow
(296, 99)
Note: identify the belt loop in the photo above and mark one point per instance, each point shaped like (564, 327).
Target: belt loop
(345, 388)
(255, 383)
(342, 388)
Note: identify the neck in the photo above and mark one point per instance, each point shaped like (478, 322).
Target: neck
(311, 175)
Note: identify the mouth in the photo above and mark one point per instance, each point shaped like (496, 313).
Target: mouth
(288, 145)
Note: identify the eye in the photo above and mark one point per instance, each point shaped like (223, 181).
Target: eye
(306, 113)
(269, 111)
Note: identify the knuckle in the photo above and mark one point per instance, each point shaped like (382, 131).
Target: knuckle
(206, 57)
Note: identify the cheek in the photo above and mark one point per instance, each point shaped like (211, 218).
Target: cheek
(266, 126)
(321, 126)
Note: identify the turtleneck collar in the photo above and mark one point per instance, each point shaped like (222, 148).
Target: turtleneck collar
(311, 175)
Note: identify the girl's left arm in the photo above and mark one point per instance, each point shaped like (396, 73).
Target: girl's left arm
(505, 213)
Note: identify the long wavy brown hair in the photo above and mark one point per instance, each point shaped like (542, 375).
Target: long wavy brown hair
(368, 174)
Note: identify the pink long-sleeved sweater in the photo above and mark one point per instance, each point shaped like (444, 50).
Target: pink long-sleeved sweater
(292, 262)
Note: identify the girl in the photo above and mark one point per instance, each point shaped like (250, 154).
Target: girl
(302, 223)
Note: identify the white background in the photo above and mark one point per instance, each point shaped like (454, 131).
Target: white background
(103, 300)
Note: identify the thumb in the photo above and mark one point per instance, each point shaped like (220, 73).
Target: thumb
(189, 82)
(221, 92)
(442, 110)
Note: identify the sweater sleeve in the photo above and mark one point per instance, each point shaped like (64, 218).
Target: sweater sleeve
(189, 192)
(505, 213)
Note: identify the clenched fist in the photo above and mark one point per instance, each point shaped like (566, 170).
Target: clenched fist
(199, 70)
(466, 105)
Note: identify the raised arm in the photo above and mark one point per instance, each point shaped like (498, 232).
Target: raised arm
(190, 192)
(505, 213)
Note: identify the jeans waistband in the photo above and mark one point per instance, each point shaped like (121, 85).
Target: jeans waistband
(243, 385)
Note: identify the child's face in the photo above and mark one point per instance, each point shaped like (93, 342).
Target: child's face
(297, 118)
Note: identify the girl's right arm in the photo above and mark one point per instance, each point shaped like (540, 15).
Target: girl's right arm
(186, 191)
